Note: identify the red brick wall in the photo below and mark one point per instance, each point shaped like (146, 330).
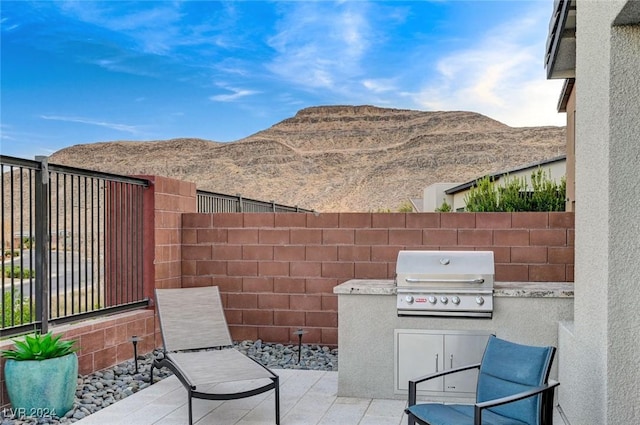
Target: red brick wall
(103, 342)
(165, 202)
(277, 271)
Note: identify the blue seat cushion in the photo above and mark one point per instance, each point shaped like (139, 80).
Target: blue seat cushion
(509, 368)
(457, 414)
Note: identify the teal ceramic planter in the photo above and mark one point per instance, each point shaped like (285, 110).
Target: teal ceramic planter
(42, 387)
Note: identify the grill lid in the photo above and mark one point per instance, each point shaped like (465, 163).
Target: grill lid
(445, 263)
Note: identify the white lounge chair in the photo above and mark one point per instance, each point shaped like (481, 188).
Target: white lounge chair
(198, 348)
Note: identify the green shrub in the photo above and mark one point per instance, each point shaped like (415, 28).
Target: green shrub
(405, 207)
(483, 197)
(18, 309)
(10, 254)
(512, 196)
(19, 272)
(444, 207)
(27, 243)
(546, 195)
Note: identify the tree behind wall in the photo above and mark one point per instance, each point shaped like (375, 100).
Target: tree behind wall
(514, 195)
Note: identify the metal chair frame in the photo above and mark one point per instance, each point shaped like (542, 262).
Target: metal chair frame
(547, 391)
(198, 349)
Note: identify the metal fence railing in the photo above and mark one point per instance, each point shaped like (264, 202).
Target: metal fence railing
(211, 202)
(71, 242)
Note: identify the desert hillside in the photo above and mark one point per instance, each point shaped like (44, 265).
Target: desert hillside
(334, 158)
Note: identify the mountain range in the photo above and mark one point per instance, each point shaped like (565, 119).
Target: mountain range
(334, 158)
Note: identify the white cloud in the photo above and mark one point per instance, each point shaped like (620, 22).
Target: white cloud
(320, 45)
(502, 76)
(379, 85)
(113, 126)
(235, 95)
(154, 28)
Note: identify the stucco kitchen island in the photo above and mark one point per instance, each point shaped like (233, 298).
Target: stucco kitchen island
(524, 312)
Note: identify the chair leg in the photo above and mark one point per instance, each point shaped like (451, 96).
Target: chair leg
(547, 407)
(277, 396)
(410, 420)
(190, 407)
(412, 401)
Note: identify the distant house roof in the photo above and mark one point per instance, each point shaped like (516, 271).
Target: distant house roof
(498, 175)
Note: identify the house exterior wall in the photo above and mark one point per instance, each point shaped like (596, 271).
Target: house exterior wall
(434, 196)
(570, 171)
(555, 171)
(602, 380)
(459, 200)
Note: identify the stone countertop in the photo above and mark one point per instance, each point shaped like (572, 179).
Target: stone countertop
(500, 289)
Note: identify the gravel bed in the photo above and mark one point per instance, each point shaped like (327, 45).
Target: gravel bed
(104, 388)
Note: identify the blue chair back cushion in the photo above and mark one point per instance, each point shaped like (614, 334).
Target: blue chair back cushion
(508, 368)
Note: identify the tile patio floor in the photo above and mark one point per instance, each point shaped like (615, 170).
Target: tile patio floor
(306, 398)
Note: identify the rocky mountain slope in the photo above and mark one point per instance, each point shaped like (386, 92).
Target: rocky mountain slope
(334, 158)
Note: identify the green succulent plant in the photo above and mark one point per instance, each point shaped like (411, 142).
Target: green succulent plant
(39, 347)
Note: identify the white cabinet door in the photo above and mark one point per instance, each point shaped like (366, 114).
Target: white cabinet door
(421, 352)
(462, 350)
(418, 354)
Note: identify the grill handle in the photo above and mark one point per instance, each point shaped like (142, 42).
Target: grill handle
(425, 280)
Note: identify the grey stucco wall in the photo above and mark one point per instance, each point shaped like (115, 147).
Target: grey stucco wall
(623, 326)
(367, 324)
(602, 381)
(583, 398)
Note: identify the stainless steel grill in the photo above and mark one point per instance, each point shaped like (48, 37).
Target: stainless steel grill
(445, 283)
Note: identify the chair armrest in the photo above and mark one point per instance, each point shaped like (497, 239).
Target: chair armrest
(442, 373)
(415, 381)
(550, 386)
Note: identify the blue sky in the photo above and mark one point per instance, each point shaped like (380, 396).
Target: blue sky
(77, 72)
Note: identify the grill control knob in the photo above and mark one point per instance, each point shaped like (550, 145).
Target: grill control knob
(479, 300)
(444, 300)
(432, 299)
(409, 299)
(455, 300)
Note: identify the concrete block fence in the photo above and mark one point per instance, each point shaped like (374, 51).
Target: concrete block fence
(277, 271)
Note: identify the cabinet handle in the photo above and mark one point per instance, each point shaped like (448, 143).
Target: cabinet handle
(451, 358)
(436, 362)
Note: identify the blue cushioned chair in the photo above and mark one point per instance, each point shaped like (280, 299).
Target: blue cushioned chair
(512, 390)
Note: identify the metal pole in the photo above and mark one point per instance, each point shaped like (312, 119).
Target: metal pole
(299, 332)
(42, 244)
(240, 201)
(135, 339)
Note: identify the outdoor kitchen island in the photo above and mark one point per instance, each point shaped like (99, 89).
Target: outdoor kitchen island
(368, 325)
